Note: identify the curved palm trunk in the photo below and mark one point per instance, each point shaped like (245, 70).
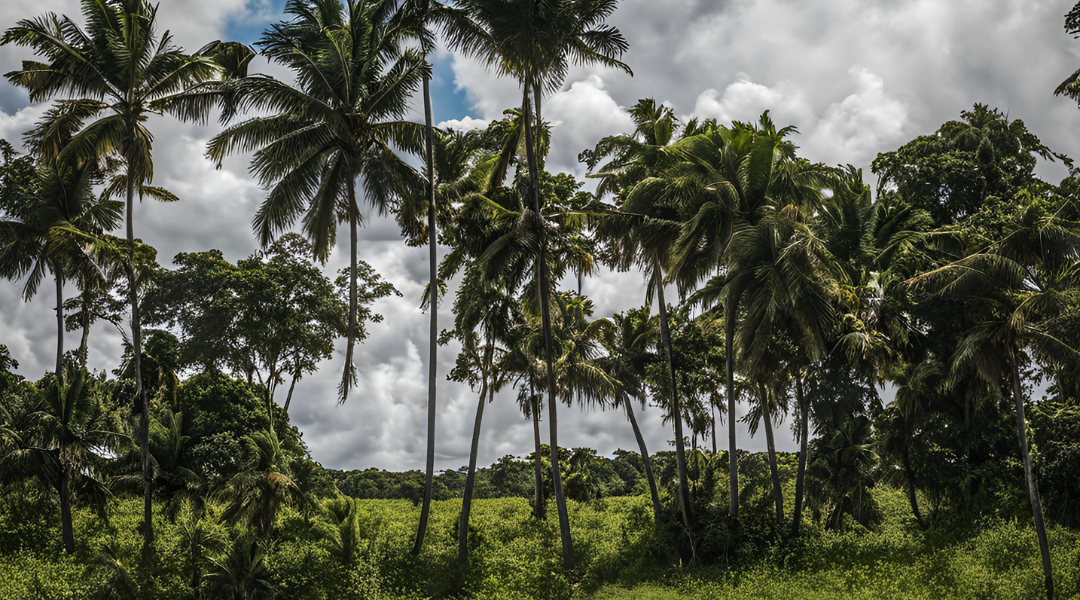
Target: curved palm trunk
(770, 442)
(539, 508)
(347, 375)
(65, 512)
(84, 348)
(1029, 474)
(645, 460)
(676, 410)
(910, 475)
(733, 462)
(433, 333)
(804, 433)
(470, 478)
(140, 393)
(545, 318)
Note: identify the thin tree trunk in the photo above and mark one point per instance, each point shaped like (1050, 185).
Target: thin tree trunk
(912, 498)
(288, 398)
(712, 405)
(733, 462)
(140, 393)
(1029, 474)
(58, 272)
(65, 512)
(644, 459)
(470, 478)
(84, 348)
(545, 318)
(770, 442)
(676, 411)
(347, 376)
(804, 433)
(433, 332)
(539, 506)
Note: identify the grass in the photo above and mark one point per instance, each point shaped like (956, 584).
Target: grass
(516, 557)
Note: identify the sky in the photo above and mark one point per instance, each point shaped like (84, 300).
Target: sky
(857, 77)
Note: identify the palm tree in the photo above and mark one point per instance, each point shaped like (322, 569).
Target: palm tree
(120, 72)
(337, 124)
(255, 494)
(640, 232)
(485, 314)
(629, 351)
(726, 180)
(52, 216)
(56, 440)
(1018, 281)
(424, 19)
(535, 42)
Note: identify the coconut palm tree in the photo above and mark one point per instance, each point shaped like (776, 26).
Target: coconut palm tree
(1017, 281)
(641, 231)
(535, 42)
(336, 125)
(630, 349)
(117, 72)
(52, 216)
(726, 179)
(484, 316)
(58, 435)
(423, 20)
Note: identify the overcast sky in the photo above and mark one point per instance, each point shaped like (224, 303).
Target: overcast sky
(857, 77)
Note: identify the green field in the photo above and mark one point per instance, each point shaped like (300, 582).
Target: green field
(514, 556)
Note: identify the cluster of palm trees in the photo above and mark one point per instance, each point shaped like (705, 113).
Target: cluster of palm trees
(793, 261)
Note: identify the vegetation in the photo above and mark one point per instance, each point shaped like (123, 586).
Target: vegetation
(786, 285)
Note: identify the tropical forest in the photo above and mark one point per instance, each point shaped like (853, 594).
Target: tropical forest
(831, 381)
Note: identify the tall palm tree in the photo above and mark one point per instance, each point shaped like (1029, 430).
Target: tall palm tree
(336, 125)
(423, 20)
(485, 314)
(640, 232)
(629, 351)
(726, 180)
(536, 42)
(117, 72)
(1019, 282)
(52, 217)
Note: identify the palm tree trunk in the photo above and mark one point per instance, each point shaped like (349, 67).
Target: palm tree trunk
(676, 411)
(545, 318)
(912, 498)
(712, 406)
(770, 442)
(347, 376)
(288, 398)
(58, 272)
(433, 332)
(1029, 474)
(645, 460)
(470, 478)
(733, 462)
(65, 513)
(539, 507)
(85, 322)
(804, 433)
(140, 395)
